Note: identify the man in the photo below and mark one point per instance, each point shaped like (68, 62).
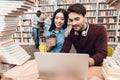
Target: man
(36, 22)
(86, 38)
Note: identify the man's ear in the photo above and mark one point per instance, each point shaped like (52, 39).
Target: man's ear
(86, 15)
(85, 18)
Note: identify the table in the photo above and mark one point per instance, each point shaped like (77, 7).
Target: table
(29, 71)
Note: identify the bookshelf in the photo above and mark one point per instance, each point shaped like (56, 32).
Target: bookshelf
(107, 16)
(98, 12)
(118, 30)
(23, 33)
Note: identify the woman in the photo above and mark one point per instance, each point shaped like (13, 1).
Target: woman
(47, 22)
(56, 34)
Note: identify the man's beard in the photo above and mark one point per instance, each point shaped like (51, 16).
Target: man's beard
(81, 27)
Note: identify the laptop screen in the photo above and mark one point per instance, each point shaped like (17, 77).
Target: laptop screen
(62, 66)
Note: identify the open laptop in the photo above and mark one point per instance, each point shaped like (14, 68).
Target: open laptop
(51, 64)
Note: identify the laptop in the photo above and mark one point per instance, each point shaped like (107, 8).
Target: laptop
(56, 66)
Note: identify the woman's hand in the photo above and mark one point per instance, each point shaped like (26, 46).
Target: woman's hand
(67, 33)
(51, 42)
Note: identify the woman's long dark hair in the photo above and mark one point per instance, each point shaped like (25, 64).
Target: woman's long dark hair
(52, 27)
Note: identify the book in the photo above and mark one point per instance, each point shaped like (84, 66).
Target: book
(116, 54)
(51, 2)
(109, 77)
(8, 22)
(111, 65)
(111, 2)
(13, 53)
(9, 16)
(5, 67)
(28, 70)
(110, 71)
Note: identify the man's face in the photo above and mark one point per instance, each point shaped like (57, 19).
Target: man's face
(77, 21)
(38, 14)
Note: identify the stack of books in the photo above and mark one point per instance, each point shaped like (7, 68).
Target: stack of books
(9, 15)
(8, 26)
(114, 3)
(111, 66)
(12, 53)
(10, 10)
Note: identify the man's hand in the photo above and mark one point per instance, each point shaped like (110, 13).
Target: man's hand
(91, 62)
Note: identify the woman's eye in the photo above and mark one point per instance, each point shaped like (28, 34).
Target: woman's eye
(62, 19)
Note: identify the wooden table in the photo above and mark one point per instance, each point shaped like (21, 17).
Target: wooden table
(29, 71)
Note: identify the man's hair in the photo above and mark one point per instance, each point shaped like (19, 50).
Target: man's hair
(77, 8)
(39, 11)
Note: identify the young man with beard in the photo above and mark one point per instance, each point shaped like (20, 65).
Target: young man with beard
(86, 38)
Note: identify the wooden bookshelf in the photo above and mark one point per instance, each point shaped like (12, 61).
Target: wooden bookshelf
(98, 12)
(23, 32)
(108, 16)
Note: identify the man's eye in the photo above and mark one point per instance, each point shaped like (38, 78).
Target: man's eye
(77, 19)
(70, 20)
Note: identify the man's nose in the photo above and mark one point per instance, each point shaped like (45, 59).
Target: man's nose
(74, 23)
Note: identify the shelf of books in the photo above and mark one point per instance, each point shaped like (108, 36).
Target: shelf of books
(23, 32)
(98, 12)
(118, 30)
(107, 16)
(48, 6)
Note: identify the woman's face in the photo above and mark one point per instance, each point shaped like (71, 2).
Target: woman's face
(59, 20)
